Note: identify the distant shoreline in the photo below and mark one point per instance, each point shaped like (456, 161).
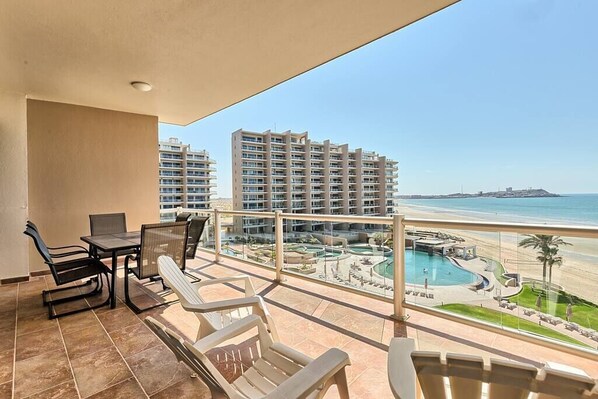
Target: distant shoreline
(509, 193)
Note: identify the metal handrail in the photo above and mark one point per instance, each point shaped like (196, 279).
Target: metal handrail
(399, 224)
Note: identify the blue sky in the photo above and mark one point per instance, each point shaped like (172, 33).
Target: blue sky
(483, 95)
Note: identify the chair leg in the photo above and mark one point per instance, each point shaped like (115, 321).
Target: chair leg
(341, 383)
(51, 304)
(45, 293)
(97, 290)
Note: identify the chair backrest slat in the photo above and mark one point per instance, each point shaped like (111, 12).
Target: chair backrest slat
(508, 379)
(107, 223)
(465, 375)
(161, 239)
(185, 291)
(430, 371)
(182, 353)
(554, 384)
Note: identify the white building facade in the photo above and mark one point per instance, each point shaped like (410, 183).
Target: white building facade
(187, 177)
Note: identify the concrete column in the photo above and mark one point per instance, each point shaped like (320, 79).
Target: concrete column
(279, 244)
(398, 249)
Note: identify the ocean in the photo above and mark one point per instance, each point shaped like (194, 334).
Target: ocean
(578, 209)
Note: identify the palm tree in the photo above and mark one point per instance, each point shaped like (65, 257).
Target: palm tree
(548, 247)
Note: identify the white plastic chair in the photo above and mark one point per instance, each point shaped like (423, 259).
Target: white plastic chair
(279, 372)
(215, 315)
(411, 371)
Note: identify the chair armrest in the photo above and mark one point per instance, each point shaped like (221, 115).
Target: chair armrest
(70, 253)
(401, 373)
(249, 289)
(69, 246)
(232, 330)
(312, 376)
(130, 257)
(226, 304)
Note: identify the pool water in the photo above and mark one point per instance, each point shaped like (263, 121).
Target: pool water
(420, 266)
(227, 251)
(361, 250)
(320, 252)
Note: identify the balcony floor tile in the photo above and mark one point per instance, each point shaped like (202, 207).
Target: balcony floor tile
(110, 353)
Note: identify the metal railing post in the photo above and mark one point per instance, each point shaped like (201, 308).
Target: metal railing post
(217, 236)
(279, 243)
(398, 249)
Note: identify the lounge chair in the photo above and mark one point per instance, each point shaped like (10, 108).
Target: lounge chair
(466, 375)
(213, 316)
(587, 332)
(571, 326)
(511, 306)
(528, 312)
(431, 296)
(279, 371)
(503, 303)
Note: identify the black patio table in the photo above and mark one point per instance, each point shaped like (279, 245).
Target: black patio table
(114, 243)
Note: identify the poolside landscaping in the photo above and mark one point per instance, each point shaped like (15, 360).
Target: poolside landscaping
(585, 313)
(507, 320)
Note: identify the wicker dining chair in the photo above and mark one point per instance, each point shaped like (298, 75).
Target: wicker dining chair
(156, 240)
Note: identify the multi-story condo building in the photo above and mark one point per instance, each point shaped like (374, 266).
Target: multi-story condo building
(186, 177)
(288, 171)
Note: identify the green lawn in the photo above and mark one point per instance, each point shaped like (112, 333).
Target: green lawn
(507, 320)
(584, 313)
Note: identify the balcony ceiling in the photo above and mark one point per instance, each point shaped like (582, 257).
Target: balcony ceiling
(200, 56)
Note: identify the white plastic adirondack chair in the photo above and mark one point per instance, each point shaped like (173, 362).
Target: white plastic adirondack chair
(280, 372)
(217, 314)
(412, 372)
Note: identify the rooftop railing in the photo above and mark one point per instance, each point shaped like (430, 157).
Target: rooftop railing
(483, 274)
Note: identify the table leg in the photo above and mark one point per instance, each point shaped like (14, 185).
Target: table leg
(113, 291)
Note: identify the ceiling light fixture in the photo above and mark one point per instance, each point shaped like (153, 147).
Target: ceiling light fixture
(141, 86)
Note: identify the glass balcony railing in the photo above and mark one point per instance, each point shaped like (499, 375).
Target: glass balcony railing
(533, 281)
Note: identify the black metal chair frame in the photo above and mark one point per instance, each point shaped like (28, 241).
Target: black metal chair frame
(156, 277)
(99, 225)
(68, 271)
(197, 225)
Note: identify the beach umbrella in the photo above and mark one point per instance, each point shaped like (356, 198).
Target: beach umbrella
(426, 283)
(539, 302)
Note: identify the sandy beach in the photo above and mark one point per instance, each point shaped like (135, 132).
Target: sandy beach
(578, 273)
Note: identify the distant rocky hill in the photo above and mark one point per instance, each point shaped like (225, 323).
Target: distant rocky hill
(508, 193)
(225, 204)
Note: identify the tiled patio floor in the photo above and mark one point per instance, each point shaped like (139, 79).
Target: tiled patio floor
(111, 354)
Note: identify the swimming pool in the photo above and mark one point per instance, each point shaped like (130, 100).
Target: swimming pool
(420, 266)
(228, 251)
(362, 249)
(320, 252)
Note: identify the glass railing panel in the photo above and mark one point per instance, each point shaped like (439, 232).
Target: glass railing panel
(454, 271)
(556, 295)
(351, 255)
(535, 284)
(249, 238)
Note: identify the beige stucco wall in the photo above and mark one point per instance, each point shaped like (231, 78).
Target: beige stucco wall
(85, 160)
(13, 185)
